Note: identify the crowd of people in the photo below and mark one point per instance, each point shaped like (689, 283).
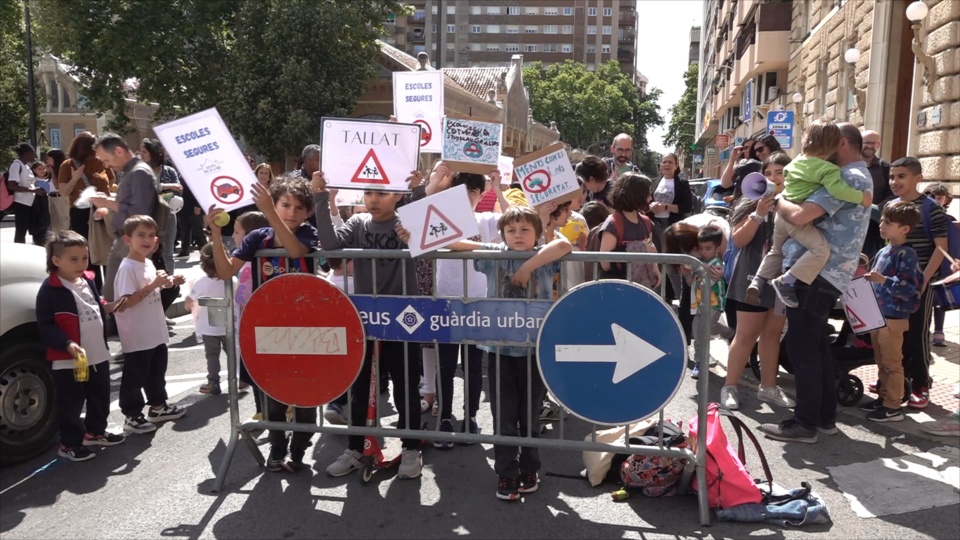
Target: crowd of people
(784, 257)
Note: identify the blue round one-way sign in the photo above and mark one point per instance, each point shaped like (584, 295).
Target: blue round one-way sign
(612, 352)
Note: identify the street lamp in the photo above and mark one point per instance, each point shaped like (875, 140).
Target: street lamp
(797, 99)
(916, 12)
(852, 56)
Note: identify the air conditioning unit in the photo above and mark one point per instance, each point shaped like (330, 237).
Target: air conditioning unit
(772, 93)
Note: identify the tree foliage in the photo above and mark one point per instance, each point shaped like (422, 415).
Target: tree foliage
(683, 115)
(591, 108)
(272, 67)
(14, 113)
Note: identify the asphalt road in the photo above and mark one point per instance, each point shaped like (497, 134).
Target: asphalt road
(159, 485)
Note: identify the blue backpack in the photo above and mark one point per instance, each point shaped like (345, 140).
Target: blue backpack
(953, 233)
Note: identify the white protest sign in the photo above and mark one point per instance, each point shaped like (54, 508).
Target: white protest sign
(546, 175)
(861, 306)
(471, 144)
(362, 154)
(439, 220)
(208, 160)
(505, 166)
(418, 99)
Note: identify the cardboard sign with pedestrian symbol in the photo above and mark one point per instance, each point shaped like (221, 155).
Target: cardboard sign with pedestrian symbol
(302, 353)
(612, 367)
(861, 306)
(209, 160)
(364, 154)
(418, 99)
(439, 220)
(547, 175)
(471, 144)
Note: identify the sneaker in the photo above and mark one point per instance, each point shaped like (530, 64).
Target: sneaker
(785, 292)
(775, 396)
(753, 291)
(276, 465)
(828, 429)
(948, 427)
(884, 414)
(695, 372)
(333, 414)
(730, 398)
(76, 454)
(107, 439)
(938, 339)
(411, 464)
(919, 400)
(789, 431)
(138, 424)
(165, 412)
(210, 388)
(529, 482)
(473, 428)
(445, 426)
(348, 462)
(872, 405)
(508, 489)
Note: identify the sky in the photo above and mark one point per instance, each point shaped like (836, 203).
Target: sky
(663, 45)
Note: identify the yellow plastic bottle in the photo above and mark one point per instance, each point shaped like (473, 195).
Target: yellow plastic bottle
(81, 371)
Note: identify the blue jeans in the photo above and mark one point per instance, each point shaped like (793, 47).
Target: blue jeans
(815, 374)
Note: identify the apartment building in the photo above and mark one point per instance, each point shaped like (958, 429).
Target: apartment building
(694, 57)
(744, 60)
(487, 33)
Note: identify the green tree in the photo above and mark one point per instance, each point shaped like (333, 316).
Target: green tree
(14, 113)
(285, 80)
(590, 108)
(683, 115)
(649, 162)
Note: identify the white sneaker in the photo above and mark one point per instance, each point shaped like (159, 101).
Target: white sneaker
(348, 462)
(775, 396)
(730, 398)
(411, 464)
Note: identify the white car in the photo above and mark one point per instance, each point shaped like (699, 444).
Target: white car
(28, 416)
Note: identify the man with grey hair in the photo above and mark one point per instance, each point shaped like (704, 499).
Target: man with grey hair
(622, 149)
(311, 160)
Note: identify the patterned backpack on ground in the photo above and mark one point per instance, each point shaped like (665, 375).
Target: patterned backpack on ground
(654, 476)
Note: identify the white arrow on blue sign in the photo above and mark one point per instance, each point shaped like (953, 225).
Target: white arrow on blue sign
(612, 322)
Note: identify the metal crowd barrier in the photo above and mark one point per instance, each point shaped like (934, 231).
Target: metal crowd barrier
(241, 430)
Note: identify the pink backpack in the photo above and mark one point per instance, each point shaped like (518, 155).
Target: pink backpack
(728, 482)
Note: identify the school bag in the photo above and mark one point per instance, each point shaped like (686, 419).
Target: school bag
(6, 197)
(641, 273)
(728, 482)
(953, 233)
(654, 476)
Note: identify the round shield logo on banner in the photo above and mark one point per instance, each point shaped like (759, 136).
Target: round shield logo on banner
(226, 190)
(473, 150)
(537, 182)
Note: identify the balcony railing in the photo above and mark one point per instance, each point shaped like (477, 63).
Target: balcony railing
(415, 37)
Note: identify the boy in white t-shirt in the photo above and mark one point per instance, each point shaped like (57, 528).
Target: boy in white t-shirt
(70, 313)
(142, 328)
(214, 338)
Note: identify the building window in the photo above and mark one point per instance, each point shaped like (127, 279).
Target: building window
(512, 47)
(607, 29)
(493, 28)
(78, 129)
(532, 11)
(567, 29)
(605, 49)
(451, 10)
(434, 10)
(551, 11)
(549, 47)
(475, 29)
(55, 137)
(591, 67)
(607, 12)
(591, 49)
(566, 47)
(567, 11)
(591, 12)
(591, 30)
(474, 10)
(495, 10)
(531, 29)
(419, 15)
(512, 29)
(451, 29)
(549, 29)
(475, 46)
(530, 48)
(824, 70)
(494, 47)
(433, 29)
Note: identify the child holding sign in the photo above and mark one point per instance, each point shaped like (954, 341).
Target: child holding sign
(897, 280)
(70, 313)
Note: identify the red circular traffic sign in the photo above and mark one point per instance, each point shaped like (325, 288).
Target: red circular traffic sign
(226, 189)
(426, 132)
(537, 182)
(302, 340)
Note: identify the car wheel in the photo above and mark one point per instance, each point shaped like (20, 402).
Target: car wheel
(27, 416)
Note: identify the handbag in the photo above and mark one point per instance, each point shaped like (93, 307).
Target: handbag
(100, 240)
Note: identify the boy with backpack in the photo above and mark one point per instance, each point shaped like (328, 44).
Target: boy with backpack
(926, 239)
(941, 194)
